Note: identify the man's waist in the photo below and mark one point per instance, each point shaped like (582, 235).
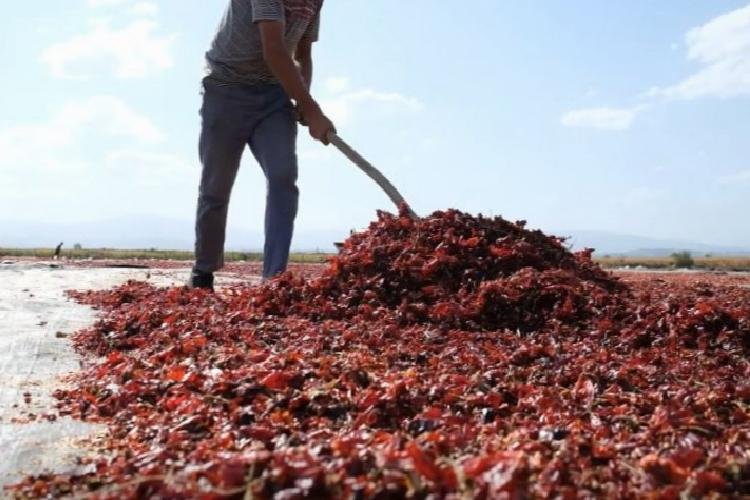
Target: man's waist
(248, 73)
(211, 80)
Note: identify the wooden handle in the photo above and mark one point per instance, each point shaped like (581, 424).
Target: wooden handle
(371, 171)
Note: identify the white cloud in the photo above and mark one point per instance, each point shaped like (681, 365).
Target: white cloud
(309, 154)
(134, 51)
(152, 168)
(645, 194)
(88, 152)
(145, 9)
(741, 177)
(105, 3)
(722, 47)
(637, 197)
(336, 84)
(601, 118)
(342, 107)
(48, 146)
(110, 115)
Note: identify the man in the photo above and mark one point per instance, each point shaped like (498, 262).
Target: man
(260, 71)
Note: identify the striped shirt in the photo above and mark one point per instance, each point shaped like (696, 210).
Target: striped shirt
(236, 54)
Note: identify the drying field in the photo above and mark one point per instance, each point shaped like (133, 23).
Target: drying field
(452, 356)
(701, 263)
(154, 258)
(146, 257)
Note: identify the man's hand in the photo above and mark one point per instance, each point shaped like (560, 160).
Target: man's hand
(318, 123)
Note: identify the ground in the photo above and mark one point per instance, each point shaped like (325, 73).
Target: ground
(36, 319)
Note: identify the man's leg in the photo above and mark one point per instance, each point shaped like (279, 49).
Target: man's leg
(221, 144)
(274, 144)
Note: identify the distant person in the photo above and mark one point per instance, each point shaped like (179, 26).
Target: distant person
(258, 87)
(58, 249)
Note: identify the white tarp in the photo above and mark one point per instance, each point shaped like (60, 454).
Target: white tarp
(35, 317)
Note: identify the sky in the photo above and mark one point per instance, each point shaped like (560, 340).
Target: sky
(629, 117)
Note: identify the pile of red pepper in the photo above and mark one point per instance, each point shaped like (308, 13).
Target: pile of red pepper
(450, 269)
(451, 356)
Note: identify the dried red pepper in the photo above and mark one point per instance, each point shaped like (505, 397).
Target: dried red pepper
(449, 355)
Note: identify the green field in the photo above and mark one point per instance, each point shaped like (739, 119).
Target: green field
(148, 254)
(707, 263)
(715, 263)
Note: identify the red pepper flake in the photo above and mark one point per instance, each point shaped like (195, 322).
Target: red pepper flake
(176, 373)
(447, 356)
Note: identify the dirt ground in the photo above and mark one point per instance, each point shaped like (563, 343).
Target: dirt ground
(35, 320)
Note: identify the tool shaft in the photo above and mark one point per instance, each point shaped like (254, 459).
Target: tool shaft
(371, 171)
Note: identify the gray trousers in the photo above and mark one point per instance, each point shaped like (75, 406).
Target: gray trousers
(261, 117)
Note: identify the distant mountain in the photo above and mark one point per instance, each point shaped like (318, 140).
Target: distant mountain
(606, 243)
(146, 232)
(175, 234)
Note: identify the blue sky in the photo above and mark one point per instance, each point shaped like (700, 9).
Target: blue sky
(630, 117)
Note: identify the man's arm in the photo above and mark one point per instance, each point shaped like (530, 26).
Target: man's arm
(303, 56)
(296, 85)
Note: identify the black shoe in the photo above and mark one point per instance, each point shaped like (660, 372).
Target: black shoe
(199, 279)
